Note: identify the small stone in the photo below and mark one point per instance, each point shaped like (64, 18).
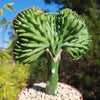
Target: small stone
(36, 92)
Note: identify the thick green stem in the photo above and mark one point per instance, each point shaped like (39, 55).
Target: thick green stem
(52, 78)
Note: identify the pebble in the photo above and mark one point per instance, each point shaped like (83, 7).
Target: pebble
(36, 92)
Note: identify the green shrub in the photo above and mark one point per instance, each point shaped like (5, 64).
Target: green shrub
(4, 57)
(13, 77)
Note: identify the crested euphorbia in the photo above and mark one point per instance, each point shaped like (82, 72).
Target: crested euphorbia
(39, 32)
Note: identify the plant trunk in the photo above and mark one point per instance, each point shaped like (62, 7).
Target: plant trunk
(52, 77)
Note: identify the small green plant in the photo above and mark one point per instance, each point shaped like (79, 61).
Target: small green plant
(13, 77)
(4, 57)
(39, 32)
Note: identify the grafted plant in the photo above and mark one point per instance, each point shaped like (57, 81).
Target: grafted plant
(39, 32)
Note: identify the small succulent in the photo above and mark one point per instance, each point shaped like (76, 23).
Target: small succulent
(39, 32)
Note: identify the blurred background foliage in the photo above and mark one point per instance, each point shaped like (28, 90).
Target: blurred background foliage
(84, 74)
(13, 77)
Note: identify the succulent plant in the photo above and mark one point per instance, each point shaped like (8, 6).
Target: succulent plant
(39, 32)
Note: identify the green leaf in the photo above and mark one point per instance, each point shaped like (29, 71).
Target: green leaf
(9, 6)
(11, 21)
(3, 21)
(1, 11)
(5, 41)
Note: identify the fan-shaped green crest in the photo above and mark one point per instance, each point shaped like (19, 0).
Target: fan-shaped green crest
(37, 31)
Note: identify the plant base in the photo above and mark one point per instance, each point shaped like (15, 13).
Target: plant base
(37, 92)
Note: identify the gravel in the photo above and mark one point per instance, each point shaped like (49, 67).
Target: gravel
(37, 92)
